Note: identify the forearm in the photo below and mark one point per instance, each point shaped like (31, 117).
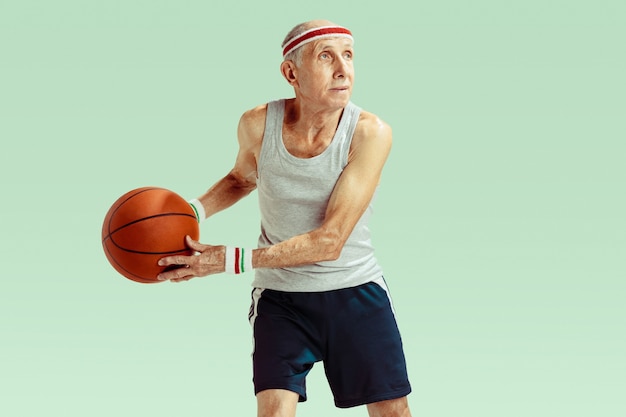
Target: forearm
(224, 194)
(316, 246)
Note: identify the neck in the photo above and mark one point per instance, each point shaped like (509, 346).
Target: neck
(310, 121)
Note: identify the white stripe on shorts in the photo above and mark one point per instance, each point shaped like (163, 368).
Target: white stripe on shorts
(254, 312)
(381, 282)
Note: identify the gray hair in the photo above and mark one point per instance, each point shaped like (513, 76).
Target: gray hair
(296, 54)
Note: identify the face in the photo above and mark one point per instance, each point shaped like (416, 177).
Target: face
(326, 74)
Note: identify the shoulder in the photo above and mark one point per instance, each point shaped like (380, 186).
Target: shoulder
(371, 131)
(252, 123)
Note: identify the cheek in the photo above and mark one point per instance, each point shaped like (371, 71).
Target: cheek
(315, 81)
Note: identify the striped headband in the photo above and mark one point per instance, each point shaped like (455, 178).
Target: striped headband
(315, 34)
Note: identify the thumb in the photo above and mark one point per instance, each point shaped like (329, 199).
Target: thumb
(195, 245)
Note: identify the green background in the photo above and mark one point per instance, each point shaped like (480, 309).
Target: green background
(499, 222)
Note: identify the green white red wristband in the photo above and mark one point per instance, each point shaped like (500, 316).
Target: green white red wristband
(198, 209)
(238, 260)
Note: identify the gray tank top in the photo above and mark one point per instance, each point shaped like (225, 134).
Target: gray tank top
(293, 195)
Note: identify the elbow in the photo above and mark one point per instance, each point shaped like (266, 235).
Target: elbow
(330, 245)
(333, 253)
(245, 185)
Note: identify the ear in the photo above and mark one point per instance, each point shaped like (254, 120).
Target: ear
(289, 71)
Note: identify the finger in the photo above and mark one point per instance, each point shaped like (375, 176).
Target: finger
(174, 260)
(183, 279)
(176, 274)
(195, 245)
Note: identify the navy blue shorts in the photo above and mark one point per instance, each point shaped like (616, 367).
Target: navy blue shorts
(353, 331)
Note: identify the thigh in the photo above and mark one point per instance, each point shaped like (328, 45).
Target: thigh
(365, 360)
(285, 347)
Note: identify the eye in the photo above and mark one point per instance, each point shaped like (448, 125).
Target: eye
(324, 55)
(348, 55)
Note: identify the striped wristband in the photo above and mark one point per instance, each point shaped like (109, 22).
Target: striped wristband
(238, 260)
(198, 209)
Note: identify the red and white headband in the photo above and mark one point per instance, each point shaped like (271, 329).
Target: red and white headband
(313, 35)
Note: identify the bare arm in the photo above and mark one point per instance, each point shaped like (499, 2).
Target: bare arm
(238, 183)
(350, 198)
(241, 180)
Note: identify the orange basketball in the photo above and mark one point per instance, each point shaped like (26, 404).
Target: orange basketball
(143, 226)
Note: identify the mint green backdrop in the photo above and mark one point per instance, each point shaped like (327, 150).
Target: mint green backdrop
(499, 221)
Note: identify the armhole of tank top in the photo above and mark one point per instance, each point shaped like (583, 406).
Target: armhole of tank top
(271, 121)
(354, 114)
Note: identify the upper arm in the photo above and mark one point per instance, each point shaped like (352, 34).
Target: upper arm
(355, 188)
(249, 136)
(241, 179)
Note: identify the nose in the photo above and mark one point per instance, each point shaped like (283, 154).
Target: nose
(341, 67)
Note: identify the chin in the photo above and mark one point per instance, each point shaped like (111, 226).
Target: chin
(341, 101)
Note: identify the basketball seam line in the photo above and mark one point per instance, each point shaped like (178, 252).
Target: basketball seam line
(147, 218)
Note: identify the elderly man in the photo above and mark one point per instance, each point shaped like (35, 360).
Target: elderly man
(319, 293)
